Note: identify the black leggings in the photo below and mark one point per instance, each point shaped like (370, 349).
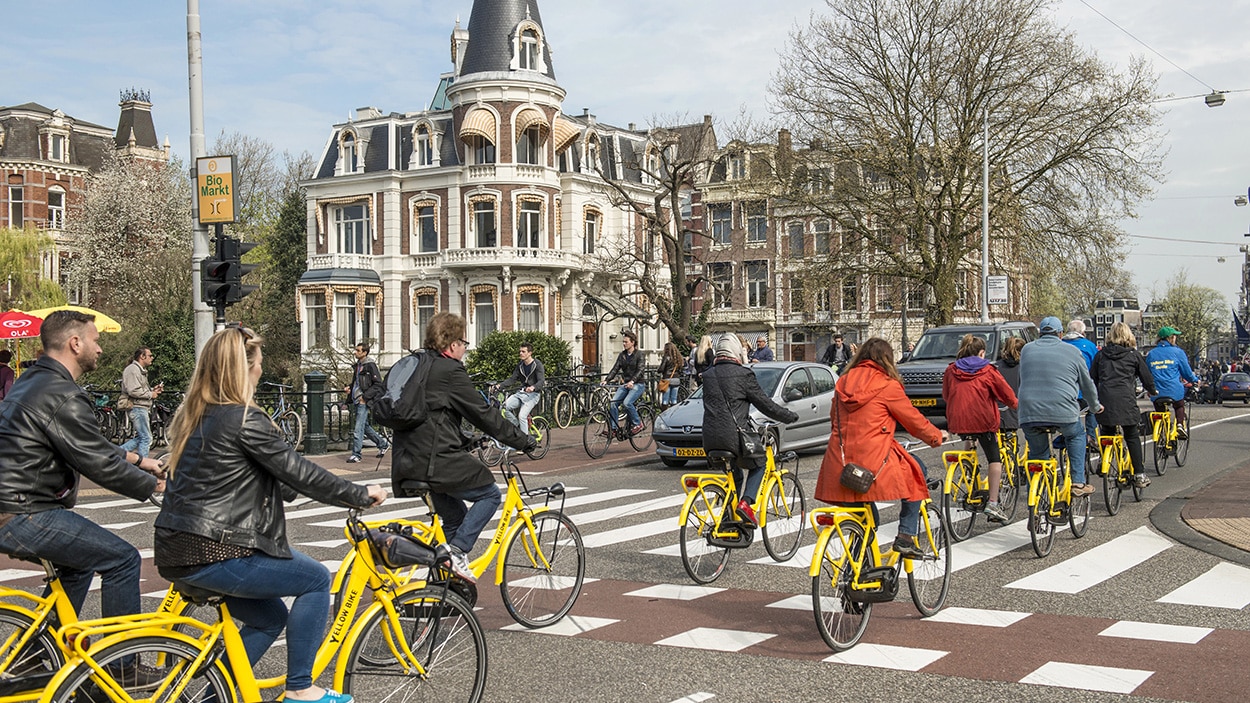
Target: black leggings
(1132, 439)
(989, 444)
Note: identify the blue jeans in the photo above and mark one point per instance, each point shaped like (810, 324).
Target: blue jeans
(670, 395)
(629, 396)
(79, 548)
(463, 525)
(143, 426)
(364, 430)
(519, 406)
(254, 587)
(908, 515)
(754, 478)
(1073, 434)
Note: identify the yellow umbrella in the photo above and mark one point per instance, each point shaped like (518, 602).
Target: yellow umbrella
(103, 322)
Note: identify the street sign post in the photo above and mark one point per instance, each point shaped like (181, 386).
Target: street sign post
(214, 189)
(996, 290)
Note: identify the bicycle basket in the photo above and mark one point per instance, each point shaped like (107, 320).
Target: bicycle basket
(395, 547)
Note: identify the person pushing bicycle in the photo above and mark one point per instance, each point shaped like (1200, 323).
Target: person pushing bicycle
(531, 375)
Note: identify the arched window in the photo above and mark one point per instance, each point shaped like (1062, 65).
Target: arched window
(349, 153)
(56, 207)
(529, 146)
(528, 55)
(424, 146)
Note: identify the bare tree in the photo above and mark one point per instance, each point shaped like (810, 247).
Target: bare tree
(893, 97)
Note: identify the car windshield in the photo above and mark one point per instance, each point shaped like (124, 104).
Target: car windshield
(944, 345)
(768, 378)
(1238, 377)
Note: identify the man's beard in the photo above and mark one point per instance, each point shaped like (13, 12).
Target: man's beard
(88, 362)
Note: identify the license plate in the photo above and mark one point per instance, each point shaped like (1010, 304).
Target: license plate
(688, 451)
(924, 402)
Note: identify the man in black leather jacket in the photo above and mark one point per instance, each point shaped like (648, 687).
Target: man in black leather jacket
(48, 437)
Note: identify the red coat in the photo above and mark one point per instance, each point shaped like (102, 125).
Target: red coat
(872, 405)
(972, 398)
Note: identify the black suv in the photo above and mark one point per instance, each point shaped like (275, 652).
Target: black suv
(935, 350)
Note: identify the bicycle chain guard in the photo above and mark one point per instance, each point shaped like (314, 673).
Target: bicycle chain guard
(887, 575)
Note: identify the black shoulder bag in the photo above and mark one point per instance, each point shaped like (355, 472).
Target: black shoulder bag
(854, 476)
(750, 441)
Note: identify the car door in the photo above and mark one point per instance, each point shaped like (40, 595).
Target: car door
(796, 394)
(823, 382)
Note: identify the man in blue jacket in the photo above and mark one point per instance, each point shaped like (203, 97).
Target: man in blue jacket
(1076, 337)
(1169, 364)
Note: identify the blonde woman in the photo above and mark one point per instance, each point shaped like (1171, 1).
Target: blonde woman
(703, 356)
(221, 526)
(1116, 369)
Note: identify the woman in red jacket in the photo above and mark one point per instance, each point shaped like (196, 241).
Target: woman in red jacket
(869, 404)
(973, 389)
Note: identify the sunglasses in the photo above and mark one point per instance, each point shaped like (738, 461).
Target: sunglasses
(248, 334)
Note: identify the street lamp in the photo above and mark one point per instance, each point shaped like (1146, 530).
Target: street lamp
(985, 219)
(1214, 99)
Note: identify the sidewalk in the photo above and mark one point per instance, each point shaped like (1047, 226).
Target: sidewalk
(1221, 509)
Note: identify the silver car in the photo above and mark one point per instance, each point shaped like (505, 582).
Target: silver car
(802, 386)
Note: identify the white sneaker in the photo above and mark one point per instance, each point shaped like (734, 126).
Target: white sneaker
(993, 513)
(353, 459)
(460, 564)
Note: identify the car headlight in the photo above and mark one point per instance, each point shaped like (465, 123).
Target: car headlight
(660, 424)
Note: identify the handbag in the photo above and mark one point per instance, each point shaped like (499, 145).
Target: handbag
(662, 385)
(124, 402)
(854, 477)
(395, 546)
(751, 449)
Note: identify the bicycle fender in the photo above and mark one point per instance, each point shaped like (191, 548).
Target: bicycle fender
(13, 608)
(516, 525)
(822, 541)
(686, 506)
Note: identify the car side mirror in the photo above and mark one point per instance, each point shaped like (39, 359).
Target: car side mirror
(792, 395)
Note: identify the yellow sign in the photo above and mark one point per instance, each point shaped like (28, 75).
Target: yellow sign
(214, 189)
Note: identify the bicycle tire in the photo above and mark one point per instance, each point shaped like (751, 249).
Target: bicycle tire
(600, 397)
(1138, 491)
(1182, 445)
(641, 440)
(37, 662)
(562, 409)
(959, 519)
(841, 621)
(543, 428)
(536, 595)
(703, 562)
(930, 577)
(214, 682)
(292, 426)
(1078, 516)
(1041, 532)
(444, 634)
(784, 510)
(1112, 490)
(1008, 493)
(596, 434)
(489, 452)
(1161, 449)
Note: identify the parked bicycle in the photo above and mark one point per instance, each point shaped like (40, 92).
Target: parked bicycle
(285, 416)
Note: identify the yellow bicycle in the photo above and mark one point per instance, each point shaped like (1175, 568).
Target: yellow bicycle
(850, 573)
(1116, 470)
(1167, 439)
(1050, 499)
(413, 642)
(710, 526)
(966, 490)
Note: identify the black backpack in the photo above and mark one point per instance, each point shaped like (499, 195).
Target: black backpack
(401, 405)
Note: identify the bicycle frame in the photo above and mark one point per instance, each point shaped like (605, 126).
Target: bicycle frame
(1164, 427)
(693, 484)
(970, 480)
(828, 522)
(1112, 447)
(1048, 470)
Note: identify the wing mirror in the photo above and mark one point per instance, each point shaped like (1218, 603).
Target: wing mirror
(792, 395)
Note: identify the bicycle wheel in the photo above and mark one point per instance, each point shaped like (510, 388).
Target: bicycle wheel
(1112, 489)
(543, 570)
(542, 431)
(600, 397)
(1161, 449)
(841, 621)
(702, 561)
(32, 667)
(562, 409)
(1041, 532)
(1078, 516)
(489, 452)
(930, 577)
(784, 510)
(1008, 492)
(292, 427)
(959, 518)
(596, 435)
(202, 683)
(446, 638)
(1182, 444)
(641, 440)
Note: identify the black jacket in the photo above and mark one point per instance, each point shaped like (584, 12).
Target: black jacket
(368, 379)
(437, 452)
(629, 368)
(228, 484)
(729, 391)
(48, 436)
(533, 375)
(1115, 371)
(1010, 419)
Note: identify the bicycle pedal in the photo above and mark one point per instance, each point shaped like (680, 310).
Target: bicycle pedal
(743, 540)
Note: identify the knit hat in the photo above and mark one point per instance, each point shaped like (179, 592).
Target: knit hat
(728, 345)
(1051, 325)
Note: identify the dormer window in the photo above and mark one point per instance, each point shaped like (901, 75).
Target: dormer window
(56, 147)
(350, 159)
(529, 51)
(737, 167)
(527, 48)
(424, 147)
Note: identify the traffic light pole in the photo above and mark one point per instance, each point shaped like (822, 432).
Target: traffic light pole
(199, 238)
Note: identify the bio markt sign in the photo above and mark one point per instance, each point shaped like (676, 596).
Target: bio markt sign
(214, 189)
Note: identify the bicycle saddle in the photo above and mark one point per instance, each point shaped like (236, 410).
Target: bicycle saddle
(721, 454)
(1164, 399)
(195, 594)
(412, 487)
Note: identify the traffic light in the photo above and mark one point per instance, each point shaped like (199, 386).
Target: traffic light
(233, 251)
(221, 276)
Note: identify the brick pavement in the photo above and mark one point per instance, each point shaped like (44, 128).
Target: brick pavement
(1221, 510)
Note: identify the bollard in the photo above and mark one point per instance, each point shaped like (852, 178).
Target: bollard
(314, 389)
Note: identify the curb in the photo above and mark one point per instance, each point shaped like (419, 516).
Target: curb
(1166, 517)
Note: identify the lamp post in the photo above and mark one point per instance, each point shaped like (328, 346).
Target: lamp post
(985, 219)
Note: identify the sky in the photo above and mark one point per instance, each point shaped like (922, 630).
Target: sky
(286, 70)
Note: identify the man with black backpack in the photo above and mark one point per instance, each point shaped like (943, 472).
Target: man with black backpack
(366, 386)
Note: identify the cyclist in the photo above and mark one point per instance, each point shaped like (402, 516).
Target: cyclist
(1008, 365)
(1076, 337)
(436, 452)
(1052, 375)
(221, 526)
(729, 391)
(973, 388)
(1168, 365)
(1117, 368)
(868, 406)
(628, 370)
(532, 376)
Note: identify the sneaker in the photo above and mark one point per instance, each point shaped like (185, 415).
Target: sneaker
(382, 452)
(747, 512)
(993, 513)
(353, 459)
(459, 562)
(907, 547)
(137, 676)
(635, 429)
(1181, 433)
(1081, 489)
(1141, 480)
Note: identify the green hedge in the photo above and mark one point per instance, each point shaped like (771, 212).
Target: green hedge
(496, 356)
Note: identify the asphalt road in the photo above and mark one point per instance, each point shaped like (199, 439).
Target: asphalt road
(1066, 619)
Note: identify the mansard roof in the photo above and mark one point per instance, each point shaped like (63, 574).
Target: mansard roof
(88, 144)
(491, 28)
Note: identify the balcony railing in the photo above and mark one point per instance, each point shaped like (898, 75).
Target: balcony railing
(511, 256)
(766, 316)
(340, 261)
(483, 171)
